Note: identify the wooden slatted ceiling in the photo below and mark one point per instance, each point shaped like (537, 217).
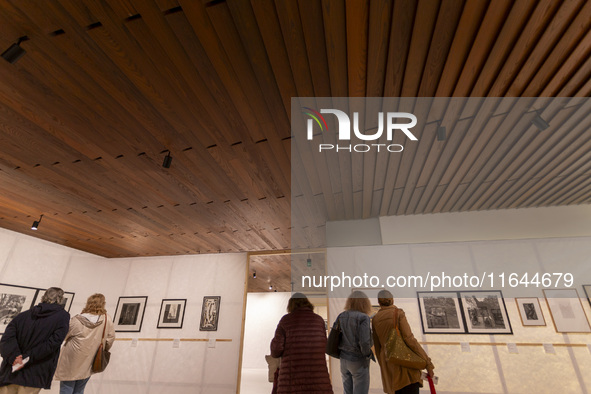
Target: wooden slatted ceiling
(108, 87)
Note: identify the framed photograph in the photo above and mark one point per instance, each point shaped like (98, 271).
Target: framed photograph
(530, 312)
(485, 312)
(130, 314)
(172, 313)
(14, 300)
(587, 289)
(566, 310)
(67, 301)
(210, 313)
(441, 313)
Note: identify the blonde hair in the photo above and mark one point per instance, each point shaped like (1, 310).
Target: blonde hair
(95, 304)
(358, 301)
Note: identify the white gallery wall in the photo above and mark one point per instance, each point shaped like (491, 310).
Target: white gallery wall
(147, 365)
(545, 361)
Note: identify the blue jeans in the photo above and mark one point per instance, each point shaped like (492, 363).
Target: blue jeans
(73, 386)
(355, 376)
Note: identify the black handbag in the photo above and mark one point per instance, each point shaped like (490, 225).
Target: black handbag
(334, 340)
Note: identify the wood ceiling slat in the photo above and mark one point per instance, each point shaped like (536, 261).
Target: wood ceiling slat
(443, 36)
(264, 95)
(519, 156)
(123, 8)
(270, 31)
(576, 41)
(380, 15)
(512, 28)
(564, 182)
(289, 20)
(572, 129)
(567, 27)
(570, 88)
(472, 15)
(403, 16)
(357, 14)
(493, 19)
(503, 138)
(78, 11)
(222, 66)
(313, 29)
(580, 55)
(546, 12)
(165, 5)
(12, 11)
(563, 157)
(471, 146)
(581, 196)
(334, 15)
(422, 34)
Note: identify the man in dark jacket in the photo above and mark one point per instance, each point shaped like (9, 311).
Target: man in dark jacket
(36, 335)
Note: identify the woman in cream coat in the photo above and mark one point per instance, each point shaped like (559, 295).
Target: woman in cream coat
(82, 343)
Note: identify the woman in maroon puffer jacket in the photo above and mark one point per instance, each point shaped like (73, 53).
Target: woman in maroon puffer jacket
(300, 341)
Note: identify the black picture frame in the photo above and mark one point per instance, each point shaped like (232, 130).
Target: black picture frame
(14, 299)
(172, 313)
(129, 314)
(441, 312)
(210, 313)
(485, 312)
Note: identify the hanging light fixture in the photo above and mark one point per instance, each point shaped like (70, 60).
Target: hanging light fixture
(36, 223)
(440, 132)
(167, 160)
(254, 275)
(539, 122)
(14, 52)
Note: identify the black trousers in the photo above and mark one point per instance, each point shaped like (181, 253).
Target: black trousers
(410, 389)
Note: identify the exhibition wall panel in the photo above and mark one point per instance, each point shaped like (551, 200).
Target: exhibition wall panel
(147, 361)
(528, 358)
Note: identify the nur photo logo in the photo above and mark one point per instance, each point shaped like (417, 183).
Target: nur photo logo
(390, 122)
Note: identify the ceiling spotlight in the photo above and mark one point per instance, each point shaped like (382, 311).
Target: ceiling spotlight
(539, 122)
(36, 223)
(254, 275)
(441, 133)
(309, 262)
(14, 52)
(167, 160)
(270, 287)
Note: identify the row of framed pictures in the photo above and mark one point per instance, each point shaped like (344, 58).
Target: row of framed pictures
(129, 314)
(16, 299)
(485, 312)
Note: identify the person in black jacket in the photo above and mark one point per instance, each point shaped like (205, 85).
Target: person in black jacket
(33, 338)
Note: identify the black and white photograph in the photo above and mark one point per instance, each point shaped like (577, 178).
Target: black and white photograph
(172, 313)
(485, 312)
(566, 310)
(440, 313)
(210, 313)
(530, 311)
(130, 314)
(14, 300)
(66, 302)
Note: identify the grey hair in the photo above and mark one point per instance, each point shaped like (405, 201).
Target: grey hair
(53, 295)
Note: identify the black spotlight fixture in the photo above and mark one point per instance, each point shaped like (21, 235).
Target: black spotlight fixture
(254, 275)
(36, 223)
(441, 132)
(540, 123)
(270, 287)
(167, 160)
(14, 52)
